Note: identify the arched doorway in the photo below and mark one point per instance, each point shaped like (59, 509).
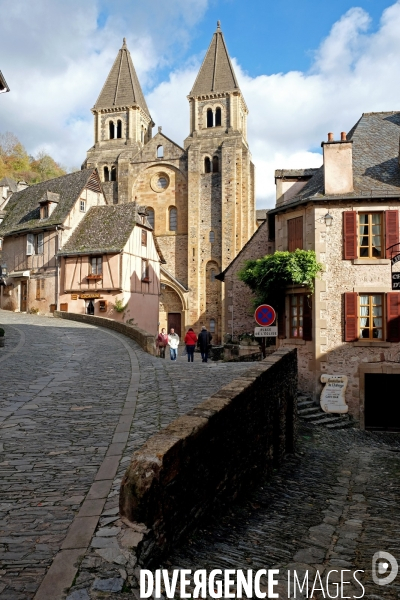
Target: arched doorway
(171, 310)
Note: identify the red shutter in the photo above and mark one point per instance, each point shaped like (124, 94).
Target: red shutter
(295, 234)
(392, 228)
(350, 317)
(393, 316)
(350, 234)
(307, 318)
(281, 320)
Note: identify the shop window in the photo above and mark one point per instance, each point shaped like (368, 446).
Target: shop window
(150, 216)
(295, 234)
(173, 219)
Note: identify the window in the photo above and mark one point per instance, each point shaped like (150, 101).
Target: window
(150, 216)
(295, 234)
(82, 205)
(30, 244)
(370, 315)
(113, 173)
(162, 183)
(212, 325)
(40, 243)
(160, 151)
(44, 211)
(37, 289)
(96, 265)
(111, 130)
(207, 165)
(212, 237)
(106, 174)
(296, 315)
(218, 117)
(144, 237)
(370, 235)
(210, 118)
(215, 164)
(119, 128)
(145, 270)
(142, 136)
(173, 219)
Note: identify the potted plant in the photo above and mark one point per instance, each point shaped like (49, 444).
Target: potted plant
(2, 334)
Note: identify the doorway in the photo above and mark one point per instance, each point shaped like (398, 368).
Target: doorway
(24, 296)
(174, 321)
(382, 407)
(89, 307)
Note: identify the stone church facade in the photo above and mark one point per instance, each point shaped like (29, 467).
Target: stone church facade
(199, 197)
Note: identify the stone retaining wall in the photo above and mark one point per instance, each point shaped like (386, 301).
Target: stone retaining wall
(210, 455)
(144, 339)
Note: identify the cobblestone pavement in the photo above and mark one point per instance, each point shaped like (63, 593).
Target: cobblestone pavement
(66, 389)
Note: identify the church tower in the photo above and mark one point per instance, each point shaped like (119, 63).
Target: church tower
(122, 126)
(221, 202)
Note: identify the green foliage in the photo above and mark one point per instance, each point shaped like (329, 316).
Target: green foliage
(268, 277)
(119, 307)
(17, 164)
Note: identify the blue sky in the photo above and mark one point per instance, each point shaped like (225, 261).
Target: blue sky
(305, 68)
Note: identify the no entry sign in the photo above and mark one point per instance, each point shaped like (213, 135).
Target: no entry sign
(265, 315)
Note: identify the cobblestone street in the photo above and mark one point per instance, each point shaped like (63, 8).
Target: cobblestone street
(77, 401)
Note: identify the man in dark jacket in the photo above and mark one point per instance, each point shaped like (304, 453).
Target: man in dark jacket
(203, 342)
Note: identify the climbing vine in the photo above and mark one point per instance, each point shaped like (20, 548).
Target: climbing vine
(268, 277)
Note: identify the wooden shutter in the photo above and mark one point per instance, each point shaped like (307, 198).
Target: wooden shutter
(30, 244)
(307, 318)
(391, 228)
(281, 320)
(350, 317)
(295, 234)
(350, 249)
(393, 316)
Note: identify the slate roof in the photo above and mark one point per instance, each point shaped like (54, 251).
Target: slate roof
(294, 173)
(122, 87)
(216, 73)
(23, 211)
(104, 229)
(11, 183)
(261, 214)
(376, 170)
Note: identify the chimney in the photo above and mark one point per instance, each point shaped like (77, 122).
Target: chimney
(338, 165)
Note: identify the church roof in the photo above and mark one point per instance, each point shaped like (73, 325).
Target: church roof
(122, 87)
(216, 73)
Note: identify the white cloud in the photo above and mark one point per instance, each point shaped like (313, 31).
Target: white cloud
(60, 58)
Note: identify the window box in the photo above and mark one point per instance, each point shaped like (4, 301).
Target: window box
(94, 277)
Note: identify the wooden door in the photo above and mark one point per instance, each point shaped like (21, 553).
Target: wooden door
(174, 321)
(382, 408)
(24, 296)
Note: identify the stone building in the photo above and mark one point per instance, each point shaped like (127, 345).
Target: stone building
(348, 213)
(199, 196)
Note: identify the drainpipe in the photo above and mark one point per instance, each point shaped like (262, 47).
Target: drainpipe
(57, 286)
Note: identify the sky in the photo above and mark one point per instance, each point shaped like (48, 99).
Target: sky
(305, 69)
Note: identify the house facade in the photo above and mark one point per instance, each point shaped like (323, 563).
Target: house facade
(110, 267)
(199, 194)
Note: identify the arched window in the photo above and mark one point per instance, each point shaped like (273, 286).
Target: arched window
(106, 174)
(212, 275)
(207, 165)
(210, 118)
(160, 151)
(113, 173)
(212, 325)
(212, 237)
(150, 216)
(111, 130)
(215, 164)
(173, 219)
(119, 128)
(218, 117)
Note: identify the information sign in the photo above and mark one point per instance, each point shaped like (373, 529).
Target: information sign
(266, 331)
(265, 315)
(396, 281)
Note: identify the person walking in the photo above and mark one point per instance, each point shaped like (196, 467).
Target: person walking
(190, 341)
(173, 342)
(162, 342)
(204, 342)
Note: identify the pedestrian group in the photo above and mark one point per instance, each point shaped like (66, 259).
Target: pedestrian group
(203, 342)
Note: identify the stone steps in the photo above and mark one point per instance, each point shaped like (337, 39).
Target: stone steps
(312, 413)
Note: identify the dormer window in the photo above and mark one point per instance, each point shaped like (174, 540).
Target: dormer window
(44, 211)
(82, 205)
(47, 204)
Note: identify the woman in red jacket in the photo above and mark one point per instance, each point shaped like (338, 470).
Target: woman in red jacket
(190, 341)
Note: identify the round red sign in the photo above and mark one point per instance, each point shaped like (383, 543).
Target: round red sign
(265, 315)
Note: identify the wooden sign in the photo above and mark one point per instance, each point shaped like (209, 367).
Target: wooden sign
(89, 295)
(74, 296)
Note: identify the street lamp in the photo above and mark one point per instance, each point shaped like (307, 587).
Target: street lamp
(328, 219)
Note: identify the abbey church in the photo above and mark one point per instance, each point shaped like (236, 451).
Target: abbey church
(200, 197)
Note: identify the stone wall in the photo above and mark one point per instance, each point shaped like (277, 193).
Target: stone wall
(144, 339)
(210, 455)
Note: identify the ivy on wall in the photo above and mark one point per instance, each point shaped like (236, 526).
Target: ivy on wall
(269, 276)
